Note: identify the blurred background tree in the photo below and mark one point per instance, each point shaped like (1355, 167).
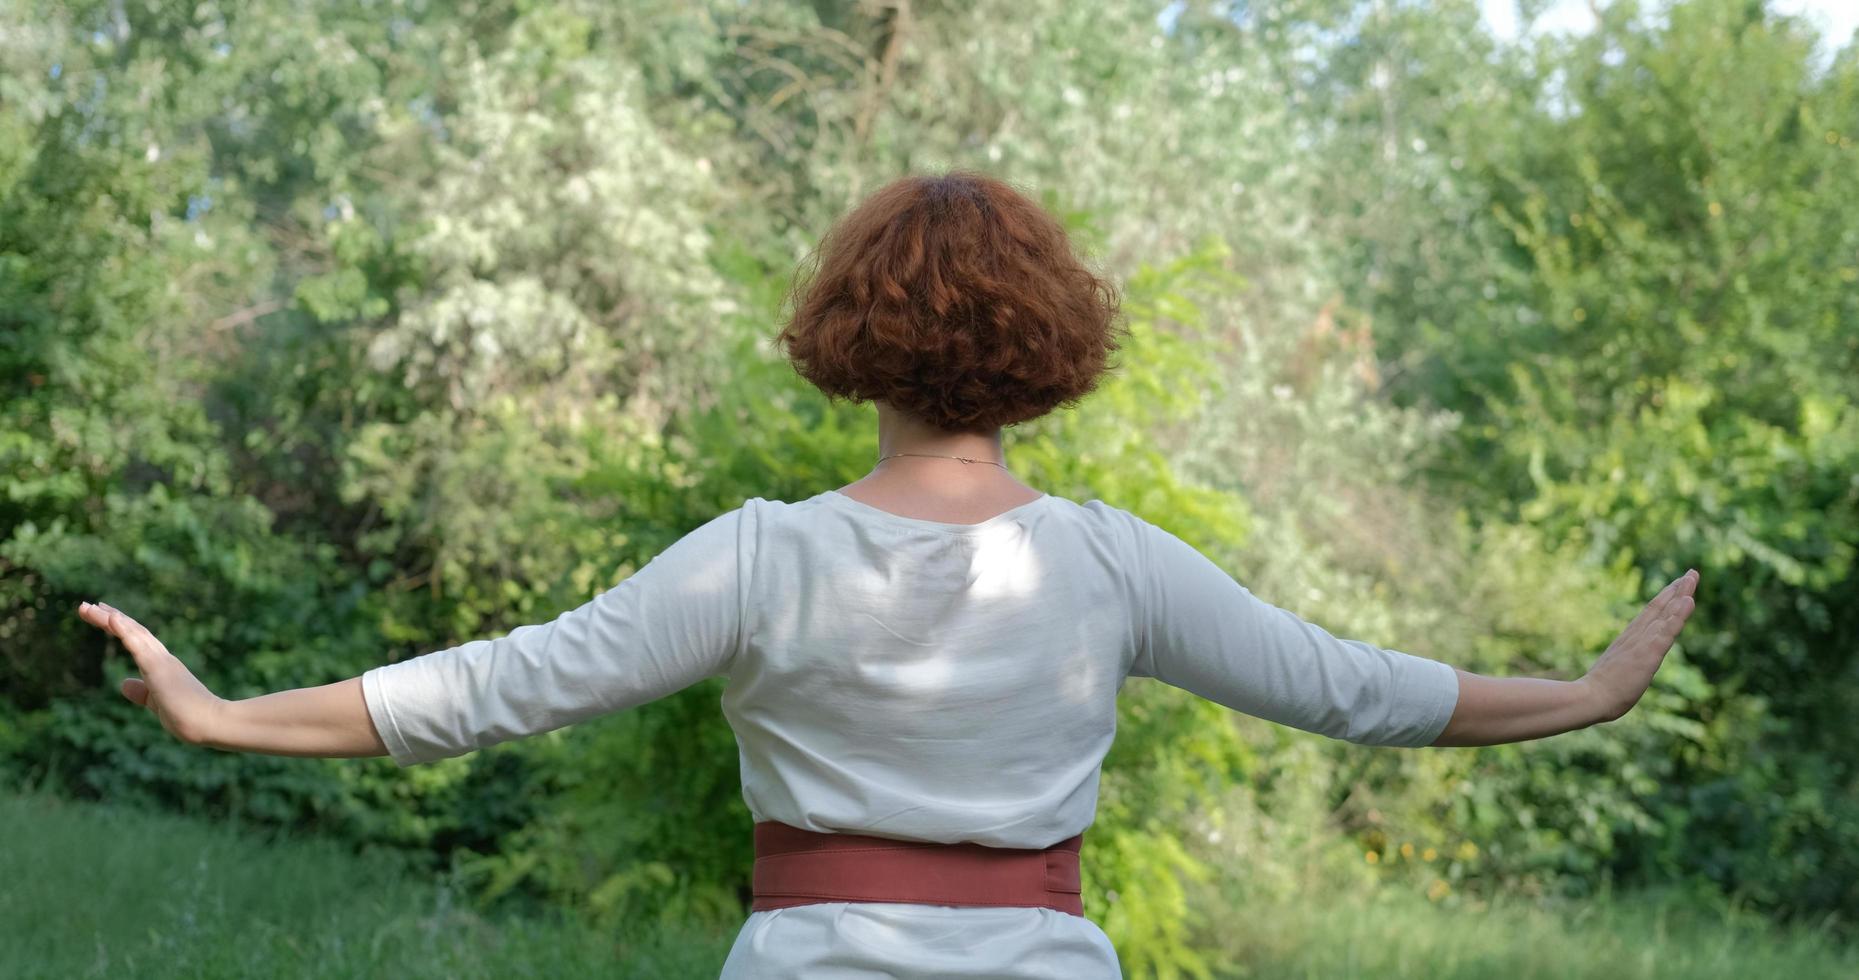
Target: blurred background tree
(333, 335)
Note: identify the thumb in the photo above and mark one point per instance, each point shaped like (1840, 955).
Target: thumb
(136, 690)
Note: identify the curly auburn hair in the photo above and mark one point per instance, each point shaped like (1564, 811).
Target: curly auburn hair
(956, 300)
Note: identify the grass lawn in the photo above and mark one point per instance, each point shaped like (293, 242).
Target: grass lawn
(98, 891)
(88, 890)
(1628, 936)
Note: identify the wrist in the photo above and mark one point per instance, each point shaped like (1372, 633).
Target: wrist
(1597, 703)
(214, 729)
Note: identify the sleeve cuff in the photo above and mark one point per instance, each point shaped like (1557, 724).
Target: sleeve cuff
(1440, 692)
(383, 715)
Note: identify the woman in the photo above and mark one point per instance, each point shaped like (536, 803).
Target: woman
(930, 654)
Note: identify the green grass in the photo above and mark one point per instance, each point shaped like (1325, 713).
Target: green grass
(1390, 935)
(90, 890)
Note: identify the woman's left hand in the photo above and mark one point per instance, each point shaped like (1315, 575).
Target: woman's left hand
(166, 688)
(1620, 677)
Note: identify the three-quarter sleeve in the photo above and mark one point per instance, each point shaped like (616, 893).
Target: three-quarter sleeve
(1200, 630)
(672, 623)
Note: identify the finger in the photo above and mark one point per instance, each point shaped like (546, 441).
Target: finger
(1656, 608)
(101, 616)
(1683, 585)
(133, 632)
(1666, 630)
(104, 615)
(93, 614)
(147, 651)
(136, 690)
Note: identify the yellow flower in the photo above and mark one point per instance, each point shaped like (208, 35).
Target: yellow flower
(1716, 210)
(1407, 850)
(1468, 851)
(1371, 857)
(1438, 889)
(1428, 854)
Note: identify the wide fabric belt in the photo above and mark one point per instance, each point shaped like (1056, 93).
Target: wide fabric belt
(801, 867)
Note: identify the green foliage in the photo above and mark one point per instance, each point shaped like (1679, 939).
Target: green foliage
(1653, 340)
(331, 336)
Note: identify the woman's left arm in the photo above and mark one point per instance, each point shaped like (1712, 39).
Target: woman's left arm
(1495, 710)
(1199, 629)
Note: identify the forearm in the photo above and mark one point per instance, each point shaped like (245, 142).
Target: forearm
(1495, 710)
(330, 721)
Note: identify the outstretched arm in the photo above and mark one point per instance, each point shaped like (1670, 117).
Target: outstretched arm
(330, 721)
(1200, 630)
(1494, 710)
(674, 622)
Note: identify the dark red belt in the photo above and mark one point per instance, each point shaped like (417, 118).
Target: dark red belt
(801, 867)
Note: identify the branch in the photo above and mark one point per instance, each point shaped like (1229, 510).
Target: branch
(245, 316)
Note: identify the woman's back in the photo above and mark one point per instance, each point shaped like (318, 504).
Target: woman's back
(927, 681)
(930, 681)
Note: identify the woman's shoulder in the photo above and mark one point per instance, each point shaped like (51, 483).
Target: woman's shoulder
(814, 516)
(1088, 510)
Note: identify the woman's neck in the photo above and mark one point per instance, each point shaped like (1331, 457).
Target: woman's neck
(931, 486)
(900, 433)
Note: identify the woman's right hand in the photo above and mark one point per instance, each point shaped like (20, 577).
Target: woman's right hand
(1624, 671)
(166, 688)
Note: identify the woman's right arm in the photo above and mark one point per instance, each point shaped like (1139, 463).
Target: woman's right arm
(328, 721)
(674, 622)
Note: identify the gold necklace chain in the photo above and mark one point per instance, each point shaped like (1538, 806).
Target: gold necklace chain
(964, 459)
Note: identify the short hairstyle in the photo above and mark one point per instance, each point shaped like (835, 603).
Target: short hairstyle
(954, 299)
